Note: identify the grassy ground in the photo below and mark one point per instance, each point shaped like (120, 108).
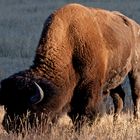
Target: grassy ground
(105, 129)
(20, 28)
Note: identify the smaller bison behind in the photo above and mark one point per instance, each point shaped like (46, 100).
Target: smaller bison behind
(83, 54)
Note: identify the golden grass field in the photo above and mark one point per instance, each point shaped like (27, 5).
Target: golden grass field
(21, 22)
(124, 129)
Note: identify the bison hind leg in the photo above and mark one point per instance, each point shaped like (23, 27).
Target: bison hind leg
(134, 78)
(118, 96)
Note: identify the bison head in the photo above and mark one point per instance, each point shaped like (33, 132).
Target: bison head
(19, 95)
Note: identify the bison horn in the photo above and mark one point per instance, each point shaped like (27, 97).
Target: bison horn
(39, 95)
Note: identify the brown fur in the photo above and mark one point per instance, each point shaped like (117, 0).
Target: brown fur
(82, 54)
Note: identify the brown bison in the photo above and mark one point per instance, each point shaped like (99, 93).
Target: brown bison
(83, 53)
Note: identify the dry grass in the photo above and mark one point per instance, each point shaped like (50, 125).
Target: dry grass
(105, 129)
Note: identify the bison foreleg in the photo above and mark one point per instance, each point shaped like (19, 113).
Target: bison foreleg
(85, 104)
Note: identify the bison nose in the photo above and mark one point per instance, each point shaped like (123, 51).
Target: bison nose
(39, 95)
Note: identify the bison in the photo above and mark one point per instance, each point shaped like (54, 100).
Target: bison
(83, 54)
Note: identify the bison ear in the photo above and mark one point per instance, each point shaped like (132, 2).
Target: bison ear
(39, 95)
